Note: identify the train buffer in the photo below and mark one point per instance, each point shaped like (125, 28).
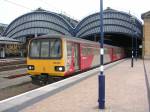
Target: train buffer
(127, 90)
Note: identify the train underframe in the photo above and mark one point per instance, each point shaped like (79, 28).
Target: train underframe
(45, 79)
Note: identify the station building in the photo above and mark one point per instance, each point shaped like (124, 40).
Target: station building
(10, 47)
(146, 35)
(119, 27)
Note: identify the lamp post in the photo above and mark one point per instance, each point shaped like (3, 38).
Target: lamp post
(101, 76)
(132, 21)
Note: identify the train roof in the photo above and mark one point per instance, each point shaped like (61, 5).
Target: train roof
(65, 37)
(75, 39)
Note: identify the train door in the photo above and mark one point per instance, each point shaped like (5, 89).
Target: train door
(76, 56)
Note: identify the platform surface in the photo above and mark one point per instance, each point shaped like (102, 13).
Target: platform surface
(126, 91)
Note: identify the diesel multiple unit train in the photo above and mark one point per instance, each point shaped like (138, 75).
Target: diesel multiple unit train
(52, 56)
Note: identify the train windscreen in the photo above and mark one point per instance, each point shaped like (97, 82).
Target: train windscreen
(45, 48)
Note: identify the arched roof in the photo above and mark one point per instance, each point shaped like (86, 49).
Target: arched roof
(114, 22)
(38, 22)
(41, 22)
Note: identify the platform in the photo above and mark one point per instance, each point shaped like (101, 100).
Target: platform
(126, 91)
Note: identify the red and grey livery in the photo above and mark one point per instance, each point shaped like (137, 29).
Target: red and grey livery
(59, 55)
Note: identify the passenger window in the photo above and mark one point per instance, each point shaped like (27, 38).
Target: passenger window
(105, 51)
(69, 49)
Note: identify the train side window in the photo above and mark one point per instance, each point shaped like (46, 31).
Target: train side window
(69, 49)
(105, 50)
(89, 51)
(95, 51)
(84, 51)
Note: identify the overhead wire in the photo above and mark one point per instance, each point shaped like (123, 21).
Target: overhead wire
(58, 11)
(50, 5)
(18, 4)
(43, 1)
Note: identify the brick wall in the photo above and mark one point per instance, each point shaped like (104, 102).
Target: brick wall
(146, 39)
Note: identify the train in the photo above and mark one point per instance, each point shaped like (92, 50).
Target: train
(58, 56)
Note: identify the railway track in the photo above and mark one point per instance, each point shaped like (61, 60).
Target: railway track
(7, 62)
(19, 89)
(16, 90)
(24, 87)
(12, 67)
(5, 66)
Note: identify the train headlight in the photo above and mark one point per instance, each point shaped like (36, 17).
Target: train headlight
(30, 67)
(60, 68)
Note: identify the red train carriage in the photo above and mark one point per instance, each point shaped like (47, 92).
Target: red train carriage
(81, 55)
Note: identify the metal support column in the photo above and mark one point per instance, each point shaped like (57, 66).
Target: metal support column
(132, 28)
(136, 50)
(101, 76)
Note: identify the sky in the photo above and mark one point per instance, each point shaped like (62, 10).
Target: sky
(77, 9)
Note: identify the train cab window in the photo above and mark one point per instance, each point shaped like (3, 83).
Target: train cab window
(55, 48)
(35, 49)
(45, 48)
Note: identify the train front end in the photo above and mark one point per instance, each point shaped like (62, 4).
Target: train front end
(45, 58)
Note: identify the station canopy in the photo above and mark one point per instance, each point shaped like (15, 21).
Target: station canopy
(6, 40)
(41, 22)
